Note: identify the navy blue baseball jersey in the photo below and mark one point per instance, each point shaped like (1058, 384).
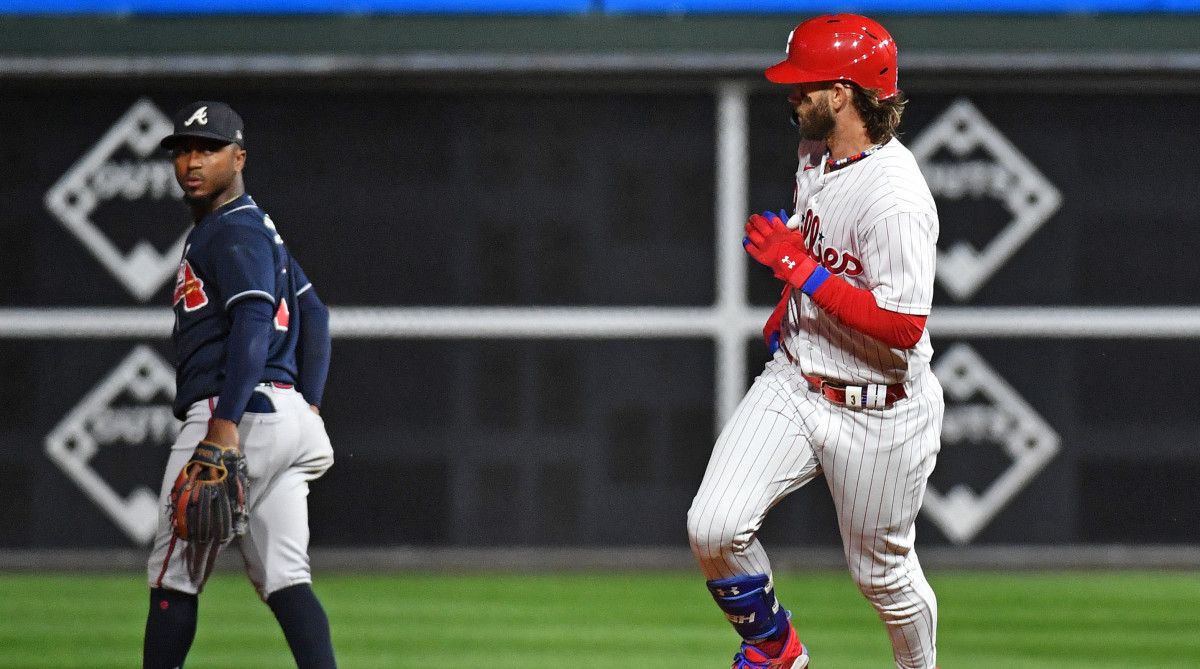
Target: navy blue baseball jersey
(232, 254)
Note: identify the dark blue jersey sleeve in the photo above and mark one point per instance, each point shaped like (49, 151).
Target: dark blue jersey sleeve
(302, 282)
(313, 350)
(243, 264)
(245, 356)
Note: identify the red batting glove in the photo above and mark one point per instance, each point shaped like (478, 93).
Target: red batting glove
(769, 241)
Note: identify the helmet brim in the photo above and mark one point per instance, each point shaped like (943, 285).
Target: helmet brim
(787, 73)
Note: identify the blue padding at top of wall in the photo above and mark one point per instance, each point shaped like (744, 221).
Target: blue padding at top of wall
(799, 7)
(294, 6)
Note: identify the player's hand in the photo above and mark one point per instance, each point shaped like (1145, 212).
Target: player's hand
(222, 432)
(769, 241)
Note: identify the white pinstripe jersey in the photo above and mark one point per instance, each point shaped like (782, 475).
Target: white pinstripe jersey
(873, 223)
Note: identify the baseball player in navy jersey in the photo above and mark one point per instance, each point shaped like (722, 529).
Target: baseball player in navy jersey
(252, 349)
(848, 393)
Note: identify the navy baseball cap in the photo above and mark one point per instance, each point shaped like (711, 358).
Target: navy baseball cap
(210, 120)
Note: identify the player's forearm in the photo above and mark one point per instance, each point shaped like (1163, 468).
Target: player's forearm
(771, 243)
(857, 309)
(315, 347)
(245, 356)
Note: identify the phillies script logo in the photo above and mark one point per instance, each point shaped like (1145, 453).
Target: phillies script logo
(837, 262)
(189, 288)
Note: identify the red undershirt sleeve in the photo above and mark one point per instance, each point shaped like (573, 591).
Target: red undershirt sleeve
(856, 308)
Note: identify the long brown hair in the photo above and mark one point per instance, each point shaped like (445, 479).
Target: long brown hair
(881, 117)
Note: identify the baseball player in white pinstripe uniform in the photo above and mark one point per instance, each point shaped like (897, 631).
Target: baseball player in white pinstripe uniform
(849, 393)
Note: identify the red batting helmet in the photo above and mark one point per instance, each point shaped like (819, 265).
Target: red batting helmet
(840, 47)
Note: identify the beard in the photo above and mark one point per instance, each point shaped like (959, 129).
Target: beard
(215, 189)
(198, 200)
(818, 122)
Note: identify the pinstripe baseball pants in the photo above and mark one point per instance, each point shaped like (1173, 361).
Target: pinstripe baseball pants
(876, 463)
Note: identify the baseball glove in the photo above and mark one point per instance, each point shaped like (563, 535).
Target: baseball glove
(208, 504)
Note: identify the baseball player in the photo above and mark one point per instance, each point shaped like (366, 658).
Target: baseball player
(848, 393)
(252, 349)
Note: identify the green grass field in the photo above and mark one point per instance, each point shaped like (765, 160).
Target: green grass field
(1069, 620)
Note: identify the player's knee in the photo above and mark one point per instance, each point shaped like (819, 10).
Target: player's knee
(870, 584)
(271, 581)
(879, 586)
(710, 539)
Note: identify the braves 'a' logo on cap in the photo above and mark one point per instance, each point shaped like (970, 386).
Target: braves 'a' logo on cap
(189, 288)
(199, 116)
